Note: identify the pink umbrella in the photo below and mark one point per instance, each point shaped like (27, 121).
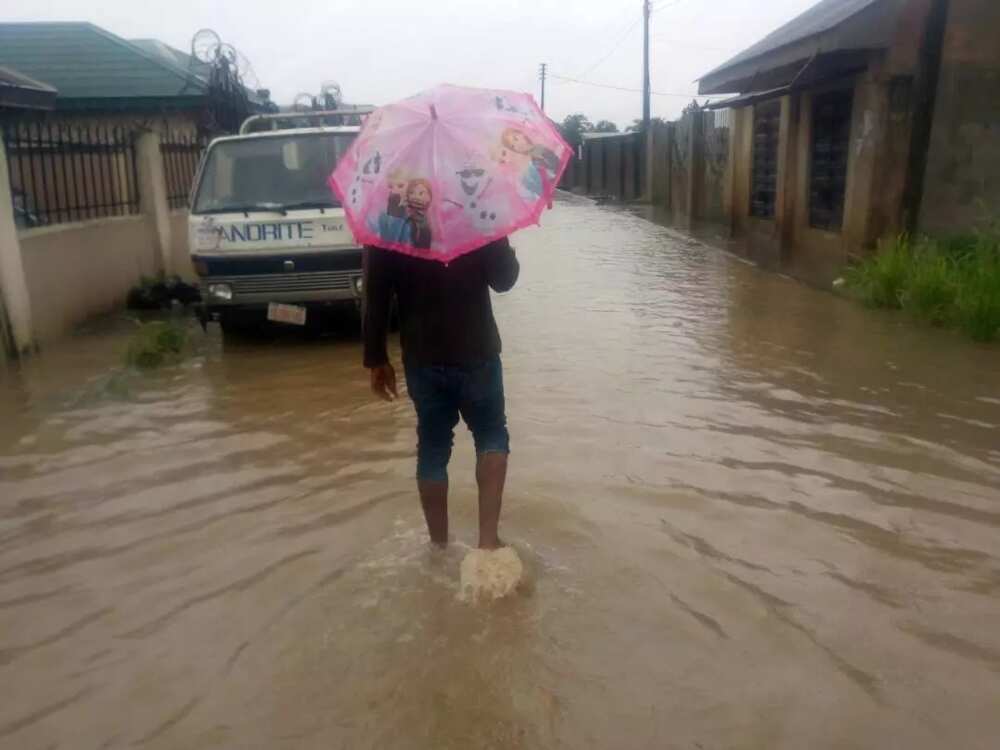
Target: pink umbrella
(449, 170)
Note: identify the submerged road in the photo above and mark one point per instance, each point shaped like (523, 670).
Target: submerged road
(753, 515)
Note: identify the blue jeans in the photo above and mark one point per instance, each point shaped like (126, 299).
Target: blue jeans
(440, 394)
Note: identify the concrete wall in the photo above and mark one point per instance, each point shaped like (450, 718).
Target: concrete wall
(680, 174)
(612, 166)
(77, 271)
(179, 246)
(660, 164)
(614, 177)
(714, 188)
(963, 162)
(53, 278)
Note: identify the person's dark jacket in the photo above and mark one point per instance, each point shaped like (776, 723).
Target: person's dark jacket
(444, 310)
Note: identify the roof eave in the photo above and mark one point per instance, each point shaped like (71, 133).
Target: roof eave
(19, 97)
(731, 79)
(130, 103)
(868, 29)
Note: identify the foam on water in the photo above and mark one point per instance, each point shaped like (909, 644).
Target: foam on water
(490, 574)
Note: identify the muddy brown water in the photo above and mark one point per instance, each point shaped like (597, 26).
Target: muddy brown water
(753, 516)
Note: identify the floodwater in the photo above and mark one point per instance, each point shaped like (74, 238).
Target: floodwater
(752, 515)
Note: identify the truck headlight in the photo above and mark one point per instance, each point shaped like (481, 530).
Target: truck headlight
(359, 285)
(220, 291)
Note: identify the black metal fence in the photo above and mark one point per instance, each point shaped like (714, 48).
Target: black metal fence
(61, 172)
(181, 155)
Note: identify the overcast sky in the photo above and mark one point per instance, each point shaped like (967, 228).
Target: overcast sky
(381, 50)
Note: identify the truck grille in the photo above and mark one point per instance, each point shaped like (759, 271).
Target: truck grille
(280, 283)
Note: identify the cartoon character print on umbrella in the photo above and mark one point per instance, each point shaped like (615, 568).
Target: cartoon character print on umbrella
(537, 163)
(480, 208)
(405, 219)
(365, 179)
(398, 182)
(418, 199)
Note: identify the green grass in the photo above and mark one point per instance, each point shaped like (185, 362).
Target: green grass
(952, 281)
(879, 280)
(156, 343)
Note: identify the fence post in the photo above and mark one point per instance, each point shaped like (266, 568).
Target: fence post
(153, 196)
(15, 302)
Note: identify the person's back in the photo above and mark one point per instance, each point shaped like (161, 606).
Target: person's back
(451, 354)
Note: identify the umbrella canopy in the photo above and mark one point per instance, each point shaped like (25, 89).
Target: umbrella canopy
(448, 170)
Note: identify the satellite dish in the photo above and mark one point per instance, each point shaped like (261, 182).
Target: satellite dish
(329, 94)
(330, 88)
(246, 72)
(228, 53)
(302, 102)
(205, 45)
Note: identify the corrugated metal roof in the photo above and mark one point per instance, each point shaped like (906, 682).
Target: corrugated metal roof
(174, 56)
(822, 17)
(22, 92)
(84, 61)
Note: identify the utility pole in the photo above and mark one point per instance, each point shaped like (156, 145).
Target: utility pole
(645, 65)
(647, 128)
(541, 77)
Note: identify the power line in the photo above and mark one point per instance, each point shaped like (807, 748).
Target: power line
(665, 4)
(614, 49)
(618, 88)
(695, 45)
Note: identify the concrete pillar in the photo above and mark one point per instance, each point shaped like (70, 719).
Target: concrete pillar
(153, 196)
(792, 173)
(15, 304)
(696, 171)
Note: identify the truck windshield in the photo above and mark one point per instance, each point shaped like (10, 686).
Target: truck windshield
(270, 173)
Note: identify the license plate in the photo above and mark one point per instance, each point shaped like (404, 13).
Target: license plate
(293, 314)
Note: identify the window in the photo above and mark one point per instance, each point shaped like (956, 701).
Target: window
(831, 140)
(270, 170)
(764, 178)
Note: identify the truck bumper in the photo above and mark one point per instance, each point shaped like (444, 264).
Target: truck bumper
(315, 279)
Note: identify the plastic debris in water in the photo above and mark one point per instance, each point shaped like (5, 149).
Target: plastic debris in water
(490, 574)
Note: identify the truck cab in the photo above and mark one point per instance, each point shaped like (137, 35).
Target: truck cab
(267, 236)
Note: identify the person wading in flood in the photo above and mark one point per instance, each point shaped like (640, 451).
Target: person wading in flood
(451, 357)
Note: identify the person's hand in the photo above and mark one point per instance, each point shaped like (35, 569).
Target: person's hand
(383, 380)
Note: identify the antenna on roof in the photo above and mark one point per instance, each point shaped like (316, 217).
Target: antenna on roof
(232, 83)
(205, 46)
(303, 102)
(329, 94)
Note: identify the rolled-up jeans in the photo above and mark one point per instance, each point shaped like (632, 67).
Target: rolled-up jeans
(440, 395)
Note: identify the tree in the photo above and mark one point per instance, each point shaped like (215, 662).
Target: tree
(573, 128)
(605, 126)
(636, 125)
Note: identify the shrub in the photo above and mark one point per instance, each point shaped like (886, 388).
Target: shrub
(878, 280)
(977, 305)
(155, 343)
(930, 285)
(954, 280)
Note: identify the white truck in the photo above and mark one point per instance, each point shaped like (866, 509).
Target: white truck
(267, 236)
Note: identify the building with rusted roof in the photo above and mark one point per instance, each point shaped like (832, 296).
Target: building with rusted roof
(858, 120)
